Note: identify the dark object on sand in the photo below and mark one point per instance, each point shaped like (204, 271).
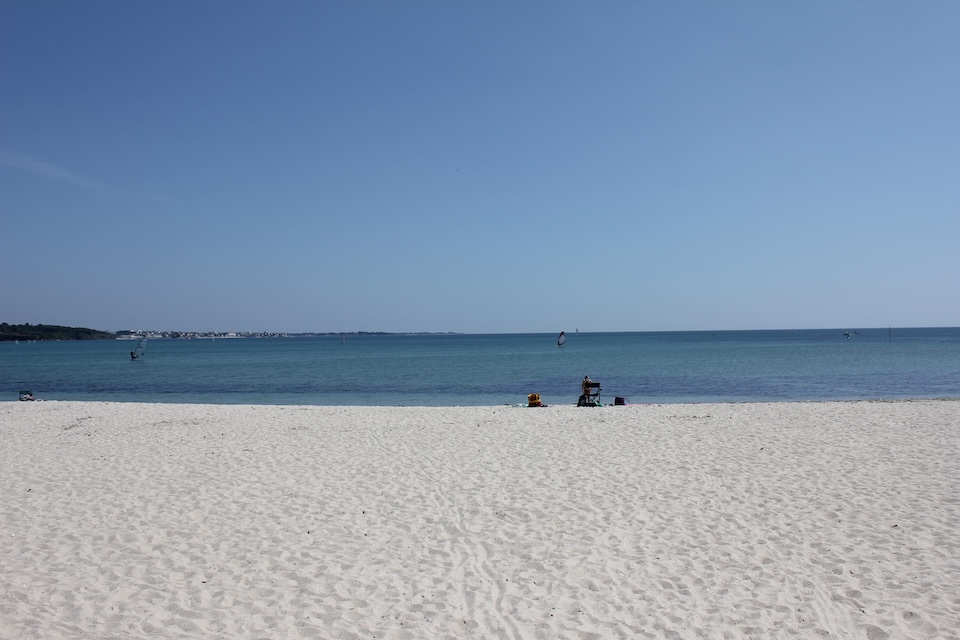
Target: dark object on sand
(591, 394)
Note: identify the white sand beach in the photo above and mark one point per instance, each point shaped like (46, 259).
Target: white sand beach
(782, 520)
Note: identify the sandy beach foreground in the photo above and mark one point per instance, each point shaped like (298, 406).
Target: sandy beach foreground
(784, 520)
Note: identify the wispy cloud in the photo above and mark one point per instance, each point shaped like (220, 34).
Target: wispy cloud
(42, 167)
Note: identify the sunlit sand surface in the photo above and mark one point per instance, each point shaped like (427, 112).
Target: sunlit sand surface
(784, 520)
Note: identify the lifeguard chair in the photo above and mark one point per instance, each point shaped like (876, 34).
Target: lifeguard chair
(591, 394)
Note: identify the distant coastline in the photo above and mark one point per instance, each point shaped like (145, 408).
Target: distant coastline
(29, 332)
(32, 332)
(199, 335)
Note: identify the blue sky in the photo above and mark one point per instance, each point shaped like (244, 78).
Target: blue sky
(480, 167)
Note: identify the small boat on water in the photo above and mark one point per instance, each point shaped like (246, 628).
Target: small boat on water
(561, 339)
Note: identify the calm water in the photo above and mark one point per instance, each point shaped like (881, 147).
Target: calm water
(727, 366)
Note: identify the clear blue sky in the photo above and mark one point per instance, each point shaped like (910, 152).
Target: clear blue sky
(480, 167)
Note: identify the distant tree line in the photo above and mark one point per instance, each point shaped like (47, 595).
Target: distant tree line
(50, 332)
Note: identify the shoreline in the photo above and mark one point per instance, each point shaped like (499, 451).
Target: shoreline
(514, 405)
(774, 519)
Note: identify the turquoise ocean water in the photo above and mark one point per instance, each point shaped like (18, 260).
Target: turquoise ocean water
(450, 370)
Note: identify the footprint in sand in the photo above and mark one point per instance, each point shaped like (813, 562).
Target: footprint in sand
(920, 626)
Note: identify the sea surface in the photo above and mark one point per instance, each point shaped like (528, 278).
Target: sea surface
(496, 369)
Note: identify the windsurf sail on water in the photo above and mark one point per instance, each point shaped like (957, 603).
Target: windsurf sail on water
(137, 353)
(561, 339)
